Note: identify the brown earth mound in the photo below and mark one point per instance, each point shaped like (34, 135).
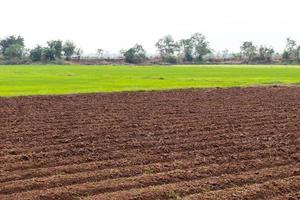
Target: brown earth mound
(183, 144)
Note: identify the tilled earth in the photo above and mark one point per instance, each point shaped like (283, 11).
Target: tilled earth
(181, 144)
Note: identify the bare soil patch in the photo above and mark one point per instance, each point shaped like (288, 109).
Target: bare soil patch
(237, 143)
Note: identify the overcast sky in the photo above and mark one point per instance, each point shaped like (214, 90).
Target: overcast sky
(116, 24)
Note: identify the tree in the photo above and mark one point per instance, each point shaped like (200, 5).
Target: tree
(291, 50)
(195, 47)
(69, 49)
(11, 40)
(48, 54)
(56, 47)
(225, 54)
(135, 55)
(298, 53)
(36, 54)
(100, 53)
(285, 56)
(167, 48)
(187, 48)
(78, 53)
(291, 46)
(201, 46)
(14, 52)
(265, 54)
(248, 51)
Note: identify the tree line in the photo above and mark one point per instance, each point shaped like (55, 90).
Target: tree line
(13, 51)
(195, 49)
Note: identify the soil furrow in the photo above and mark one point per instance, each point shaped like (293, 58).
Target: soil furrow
(235, 143)
(264, 190)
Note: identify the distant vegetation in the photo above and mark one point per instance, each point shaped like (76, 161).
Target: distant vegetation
(192, 50)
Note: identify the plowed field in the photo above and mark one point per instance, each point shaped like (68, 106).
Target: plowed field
(181, 144)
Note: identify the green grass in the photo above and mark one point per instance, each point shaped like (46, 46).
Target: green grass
(67, 79)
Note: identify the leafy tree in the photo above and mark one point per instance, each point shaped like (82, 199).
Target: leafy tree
(56, 47)
(48, 54)
(135, 55)
(14, 51)
(11, 40)
(291, 50)
(195, 47)
(265, 54)
(248, 51)
(187, 48)
(291, 45)
(36, 54)
(201, 46)
(69, 49)
(167, 48)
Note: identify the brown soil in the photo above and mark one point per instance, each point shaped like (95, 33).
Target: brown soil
(181, 144)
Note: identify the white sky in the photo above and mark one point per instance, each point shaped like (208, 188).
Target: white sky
(116, 24)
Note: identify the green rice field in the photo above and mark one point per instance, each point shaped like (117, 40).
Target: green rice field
(69, 79)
